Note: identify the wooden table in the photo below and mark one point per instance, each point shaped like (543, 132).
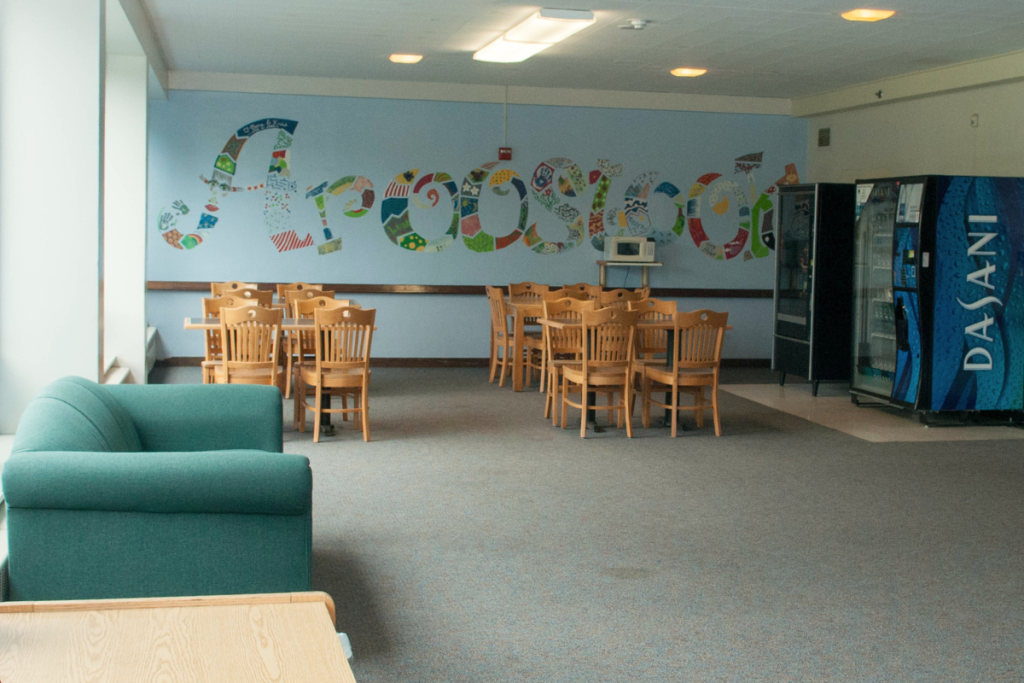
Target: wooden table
(280, 637)
(521, 308)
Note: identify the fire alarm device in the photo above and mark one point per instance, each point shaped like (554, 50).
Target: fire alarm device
(504, 154)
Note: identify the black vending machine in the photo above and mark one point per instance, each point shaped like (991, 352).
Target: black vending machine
(814, 282)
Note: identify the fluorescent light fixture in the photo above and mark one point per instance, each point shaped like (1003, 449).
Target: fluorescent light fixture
(507, 51)
(551, 26)
(405, 59)
(687, 72)
(542, 30)
(868, 14)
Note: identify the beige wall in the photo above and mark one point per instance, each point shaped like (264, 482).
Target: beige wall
(926, 135)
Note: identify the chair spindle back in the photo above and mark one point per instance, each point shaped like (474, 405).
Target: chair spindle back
(220, 288)
(251, 337)
(499, 315)
(305, 309)
(569, 340)
(211, 309)
(527, 290)
(343, 338)
(297, 286)
(608, 339)
(293, 295)
(652, 341)
(698, 339)
(619, 298)
(564, 293)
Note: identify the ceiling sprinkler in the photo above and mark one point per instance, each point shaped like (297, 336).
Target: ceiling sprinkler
(635, 25)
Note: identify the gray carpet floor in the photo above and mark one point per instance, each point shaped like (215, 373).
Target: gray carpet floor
(470, 541)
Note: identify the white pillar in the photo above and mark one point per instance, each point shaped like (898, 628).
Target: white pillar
(124, 214)
(51, 158)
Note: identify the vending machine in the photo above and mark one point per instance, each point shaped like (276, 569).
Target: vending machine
(938, 309)
(813, 282)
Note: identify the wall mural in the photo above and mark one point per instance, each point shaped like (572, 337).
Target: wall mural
(553, 183)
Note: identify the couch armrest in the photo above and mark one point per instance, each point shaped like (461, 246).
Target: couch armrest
(203, 417)
(237, 482)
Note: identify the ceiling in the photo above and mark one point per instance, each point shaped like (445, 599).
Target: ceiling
(759, 48)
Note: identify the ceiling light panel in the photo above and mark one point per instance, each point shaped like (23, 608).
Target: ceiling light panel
(405, 59)
(507, 51)
(551, 26)
(542, 30)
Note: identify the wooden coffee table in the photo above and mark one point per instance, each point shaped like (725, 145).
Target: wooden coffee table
(280, 637)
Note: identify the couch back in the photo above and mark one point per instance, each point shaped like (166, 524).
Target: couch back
(74, 414)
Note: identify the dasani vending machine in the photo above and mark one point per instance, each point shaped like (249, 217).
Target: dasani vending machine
(939, 294)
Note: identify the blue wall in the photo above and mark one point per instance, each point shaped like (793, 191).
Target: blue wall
(377, 140)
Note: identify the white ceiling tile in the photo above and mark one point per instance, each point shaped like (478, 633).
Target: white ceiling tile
(781, 48)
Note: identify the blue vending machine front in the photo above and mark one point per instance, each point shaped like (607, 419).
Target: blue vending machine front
(905, 295)
(977, 312)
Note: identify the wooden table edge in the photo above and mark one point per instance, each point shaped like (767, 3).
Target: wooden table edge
(651, 324)
(182, 601)
(295, 325)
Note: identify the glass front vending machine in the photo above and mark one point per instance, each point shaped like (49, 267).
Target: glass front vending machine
(938, 314)
(814, 243)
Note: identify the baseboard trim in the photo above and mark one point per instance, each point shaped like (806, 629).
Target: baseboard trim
(196, 361)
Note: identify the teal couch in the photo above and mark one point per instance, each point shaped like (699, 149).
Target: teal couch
(143, 491)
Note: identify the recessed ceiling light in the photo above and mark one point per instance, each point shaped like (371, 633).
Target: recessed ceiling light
(867, 14)
(405, 59)
(542, 30)
(687, 72)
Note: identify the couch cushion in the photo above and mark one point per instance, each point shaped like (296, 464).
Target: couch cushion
(74, 414)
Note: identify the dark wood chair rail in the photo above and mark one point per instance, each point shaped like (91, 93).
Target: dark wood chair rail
(662, 292)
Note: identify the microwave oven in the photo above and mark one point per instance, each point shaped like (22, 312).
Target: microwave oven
(639, 249)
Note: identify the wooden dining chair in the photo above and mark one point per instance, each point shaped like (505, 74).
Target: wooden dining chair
(644, 292)
(533, 340)
(562, 346)
(290, 343)
(251, 339)
(343, 337)
(606, 364)
(213, 353)
(695, 364)
(501, 335)
(300, 346)
(232, 287)
(297, 286)
(619, 298)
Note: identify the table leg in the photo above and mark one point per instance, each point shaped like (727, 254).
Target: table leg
(325, 418)
(591, 413)
(517, 353)
(602, 275)
(645, 276)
